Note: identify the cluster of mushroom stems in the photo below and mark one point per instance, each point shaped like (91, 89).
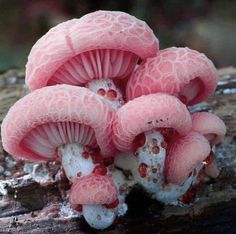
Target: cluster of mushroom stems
(113, 123)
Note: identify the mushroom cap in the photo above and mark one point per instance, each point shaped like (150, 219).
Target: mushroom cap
(93, 189)
(97, 30)
(147, 112)
(173, 70)
(55, 104)
(209, 124)
(184, 155)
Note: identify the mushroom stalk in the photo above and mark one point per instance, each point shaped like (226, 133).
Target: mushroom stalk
(151, 153)
(108, 90)
(102, 216)
(76, 160)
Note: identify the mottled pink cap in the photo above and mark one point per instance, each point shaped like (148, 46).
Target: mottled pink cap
(55, 115)
(92, 190)
(149, 112)
(94, 36)
(184, 155)
(209, 125)
(181, 72)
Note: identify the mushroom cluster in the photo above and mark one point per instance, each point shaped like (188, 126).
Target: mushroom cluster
(113, 108)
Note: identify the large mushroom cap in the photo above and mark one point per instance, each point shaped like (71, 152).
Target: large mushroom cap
(98, 45)
(147, 112)
(47, 118)
(185, 154)
(93, 189)
(182, 72)
(210, 126)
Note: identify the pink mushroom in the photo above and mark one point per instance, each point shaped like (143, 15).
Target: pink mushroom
(101, 195)
(104, 45)
(145, 127)
(184, 161)
(154, 111)
(181, 72)
(184, 155)
(75, 124)
(70, 121)
(93, 189)
(214, 129)
(209, 125)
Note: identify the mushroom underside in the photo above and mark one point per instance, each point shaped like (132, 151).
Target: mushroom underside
(95, 64)
(191, 92)
(46, 138)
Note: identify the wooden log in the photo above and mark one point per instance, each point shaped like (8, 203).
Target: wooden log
(38, 202)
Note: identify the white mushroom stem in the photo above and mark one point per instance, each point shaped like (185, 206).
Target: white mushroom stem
(151, 158)
(108, 90)
(147, 166)
(98, 216)
(76, 160)
(101, 217)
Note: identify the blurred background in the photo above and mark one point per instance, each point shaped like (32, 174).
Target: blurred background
(205, 25)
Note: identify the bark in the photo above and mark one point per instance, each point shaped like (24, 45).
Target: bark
(33, 196)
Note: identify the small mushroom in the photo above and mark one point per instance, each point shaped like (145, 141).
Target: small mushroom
(214, 129)
(185, 154)
(144, 127)
(182, 72)
(93, 189)
(100, 199)
(63, 120)
(104, 45)
(92, 192)
(184, 161)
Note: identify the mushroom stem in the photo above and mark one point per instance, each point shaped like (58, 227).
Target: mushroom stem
(102, 216)
(150, 155)
(147, 162)
(98, 216)
(108, 90)
(76, 160)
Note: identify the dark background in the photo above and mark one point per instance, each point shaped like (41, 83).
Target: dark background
(205, 25)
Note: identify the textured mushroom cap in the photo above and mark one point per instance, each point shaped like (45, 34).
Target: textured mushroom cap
(209, 124)
(185, 154)
(92, 190)
(97, 30)
(147, 112)
(170, 71)
(60, 103)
